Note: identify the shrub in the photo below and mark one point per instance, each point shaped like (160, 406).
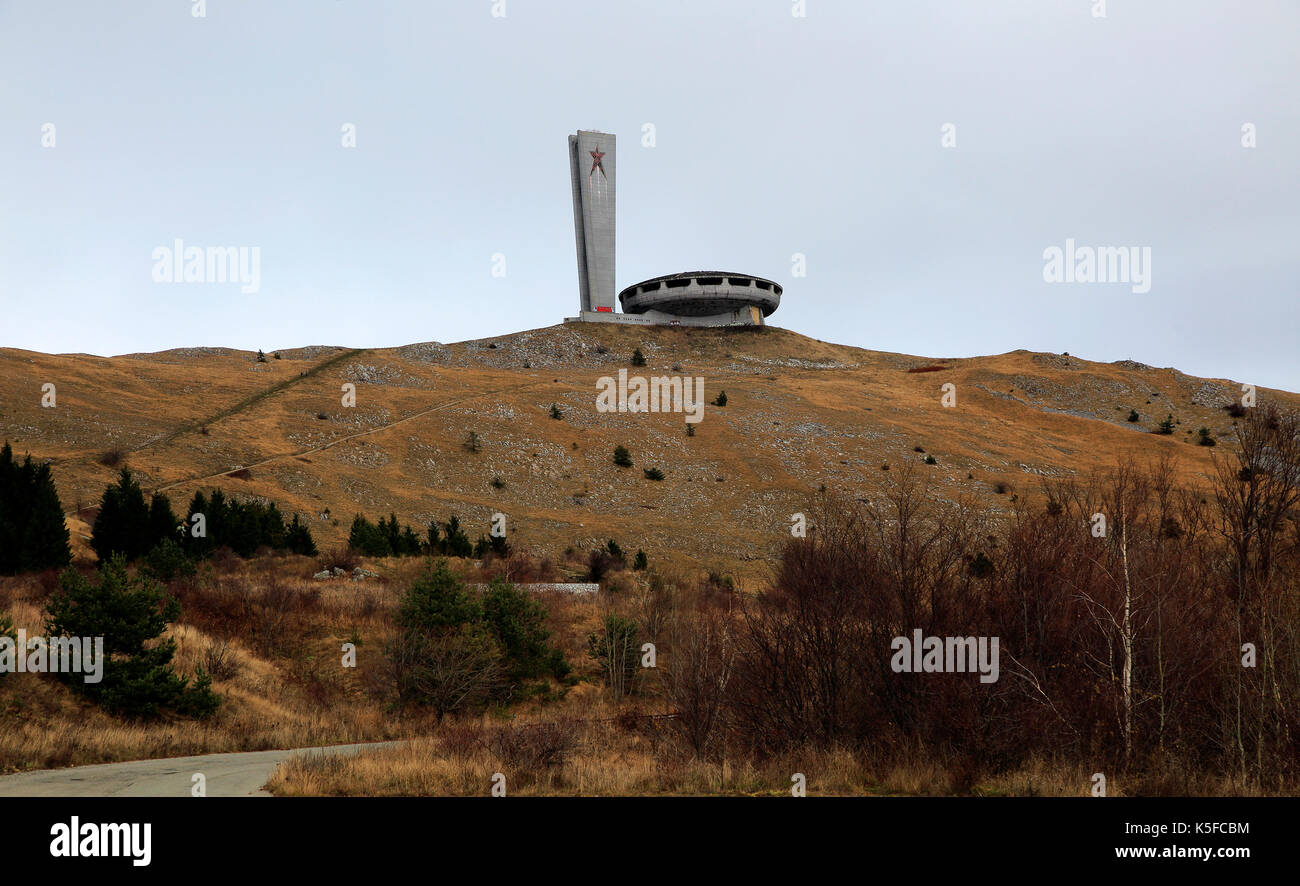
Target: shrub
(1166, 427)
(638, 359)
(498, 483)
(219, 661)
(112, 458)
(1235, 409)
(931, 460)
(555, 412)
(1133, 415)
(654, 474)
(616, 649)
(640, 562)
(602, 562)
(168, 561)
(690, 429)
(472, 442)
(340, 557)
(981, 566)
(721, 399)
(532, 746)
(622, 457)
(448, 671)
(1205, 438)
(458, 649)
(261, 358)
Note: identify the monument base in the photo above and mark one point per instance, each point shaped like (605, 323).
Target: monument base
(749, 316)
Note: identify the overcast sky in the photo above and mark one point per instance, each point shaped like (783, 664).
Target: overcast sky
(774, 135)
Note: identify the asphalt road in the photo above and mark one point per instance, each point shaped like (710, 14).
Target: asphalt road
(227, 775)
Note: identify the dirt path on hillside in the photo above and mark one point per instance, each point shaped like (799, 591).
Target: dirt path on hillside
(344, 439)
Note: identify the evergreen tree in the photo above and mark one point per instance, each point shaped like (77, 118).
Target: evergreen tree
(162, 521)
(519, 624)
(438, 601)
(122, 525)
(368, 539)
(33, 535)
(198, 546)
(45, 540)
(458, 543)
(131, 615)
(297, 538)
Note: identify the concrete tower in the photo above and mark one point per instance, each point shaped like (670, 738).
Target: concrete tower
(591, 170)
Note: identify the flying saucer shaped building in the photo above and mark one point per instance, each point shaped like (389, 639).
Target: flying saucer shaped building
(721, 296)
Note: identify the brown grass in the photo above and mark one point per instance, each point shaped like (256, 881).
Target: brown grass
(277, 637)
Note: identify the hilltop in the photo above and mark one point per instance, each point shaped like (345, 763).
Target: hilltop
(800, 414)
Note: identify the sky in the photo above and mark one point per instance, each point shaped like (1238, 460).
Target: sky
(923, 157)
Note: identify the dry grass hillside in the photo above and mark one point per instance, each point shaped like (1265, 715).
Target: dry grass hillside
(800, 413)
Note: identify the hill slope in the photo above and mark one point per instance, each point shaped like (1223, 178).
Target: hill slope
(800, 413)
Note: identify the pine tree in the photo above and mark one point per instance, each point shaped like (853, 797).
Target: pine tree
(122, 525)
(10, 513)
(458, 543)
(45, 540)
(297, 538)
(162, 521)
(131, 615)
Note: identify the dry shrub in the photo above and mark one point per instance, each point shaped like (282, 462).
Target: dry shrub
(340, 557)
(112, 458)
(219, 661)
(462, 739)
(534, 746)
